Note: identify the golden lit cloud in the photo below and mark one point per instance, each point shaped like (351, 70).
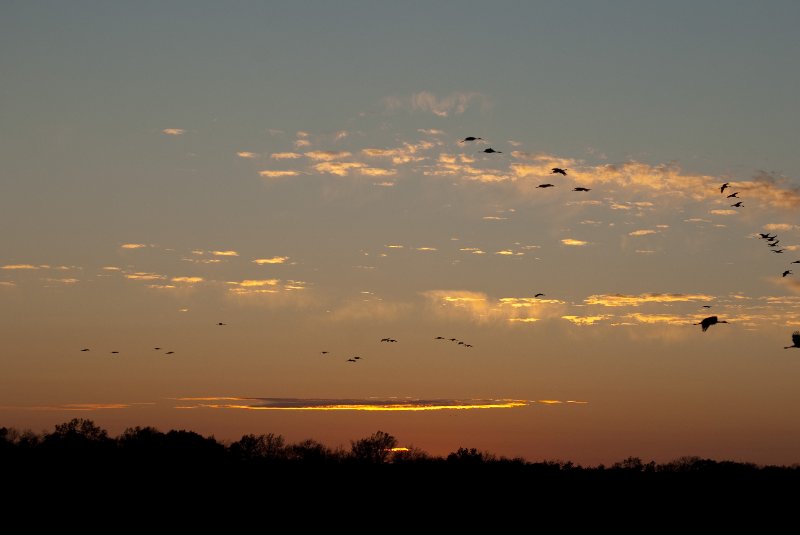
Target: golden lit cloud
(63, 281)
(620, 300)
(384, 184)
(326, 155)
(428, 249)
(376, 171)
(493, 218)
(173, 131)
(338, 168)
(273, 260)
(19, 266)
(144, 276)
(251, 283)
(224, 253)
(669, 319)
(454, 103)
(247, 155)
(277, 174)
(431, 131)
(369, 404)
(112, 268)
(479, 307)
(642, 232)
(188, 280)
(394, 246)
(585, 320)
(780, 226)
(133, 245)
(723, 212)
(7, 283)
(577, 243)
(285, 155)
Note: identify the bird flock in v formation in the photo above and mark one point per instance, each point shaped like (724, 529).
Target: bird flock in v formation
(772, 242)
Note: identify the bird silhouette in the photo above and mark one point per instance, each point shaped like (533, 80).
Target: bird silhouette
(461, 343)
(722, 188)
(774, 243)
(545, 186)
(85, 349)
(386, 339)
(737, 205)
(470, 138)
(795, 262)
(357, 358)
(581, 189)
(763, 236)
(169, 353)
(220, 323)
(779, 251)
(706, 306)
(538, 295)
(732, 195)
(768, 237)
(323, 352)
(453, 339)
(490, 150)
(558, 170)
(115, 352)
(439, 338)
(708, 322)
(787, 272)
(467, 345)
(795, 340)
(157, 348)
(352, 360)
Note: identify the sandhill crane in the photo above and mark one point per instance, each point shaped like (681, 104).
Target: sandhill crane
(467, 345)
(706, 306)
(774, 243)
(795, 340)
(763, 236)
(220, 323)
(439, 338)
(114, 352)
(737, 205)
(795, 262)
(169, 353)
(581, 189)
(357, 358)
(351, 360)
(323, 352)
(386, 339)
(157, 348)
(735, 194)
(725, 185)
(558, 170)
(708, 322)
(470, 138)
(787, 272)
(779, 251)
(490, 150)
(453, 339)
(545, 186)
(85, 349)
(538, 295)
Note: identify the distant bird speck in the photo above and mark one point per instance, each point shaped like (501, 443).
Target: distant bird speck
(795, 262)
(581, 189)
(490, 150)
(115, 352)
(706, 306)
(220, 323)
(737, 205)
(453, 339)
(157, 348)
(545, 186)
(787, 272)
(470, 138)
(352, 360)
(795, 340)
(323, 352)
(708, 322)
(538, 295)
(439, 338)
(169, 353)
(85, 349)
(779, 251)
(558, 170)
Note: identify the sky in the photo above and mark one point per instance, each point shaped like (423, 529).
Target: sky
(296, 172)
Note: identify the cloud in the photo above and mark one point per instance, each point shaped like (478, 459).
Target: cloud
(63, 281)
(642, 232)
(376, 171)
(133, 245)
(723, 212)
(277, 174)
(7, 283)
(338, 168)
(77, 407)
(585, 320)
(300, 143)
(431, 131)
(341, 134)
(173, 131)
(224, 253)
(426, 249)
(350, 404)
(142, 275)
(619, 300)
(285, 155)
(111, 268)
(477, 306)
(408, 152)
(256, 283)
(394, 246)
(696, 220)
(493, 218)
(651, 319)
(246, 155)
(454, 103)
(326, 155)
(19, 266)
(188, 280)
(780, 226)
(273, 260)
(384, 184)
(577, 243)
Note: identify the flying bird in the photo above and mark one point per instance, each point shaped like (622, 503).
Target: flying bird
(706, 306)
(439, 338)
(157, 348)
(461, 343)
(454, 339)
(787, 272)
(323, 352)
(763, 236)
(795, 340)
(795, 262)
(559, 171)
(779, 251)
(220, 323)
(352, 360)
(737, 205)
(169, 352)
(545, 186)
(467, 345)
(115, 352)
(538, 295)
(774, 243)
(470, 138)
(722, 188)
(581, 189)
(357, 358)
(490, 150)
(708, 322)
(386, 339)
(732, 195)
(85, 349)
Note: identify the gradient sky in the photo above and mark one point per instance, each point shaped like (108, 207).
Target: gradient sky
(294, 171)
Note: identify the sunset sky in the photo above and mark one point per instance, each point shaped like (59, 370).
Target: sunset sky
(294, 171)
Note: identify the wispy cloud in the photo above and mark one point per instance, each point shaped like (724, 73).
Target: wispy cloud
(173, 131)
(19, 266)
(326, 155)
(620, 300)
(350, 404)
(144, 276)
(780, 226)
(273, 260)
(723, 212)
(224, 253)
(133, 245)
(585, 320)
(408, 152)
(247, 155)
(277, 174)
(643, 232)
(188, 280)
(574, 242)
(454, 103)
(338, 168)
(285, 155)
